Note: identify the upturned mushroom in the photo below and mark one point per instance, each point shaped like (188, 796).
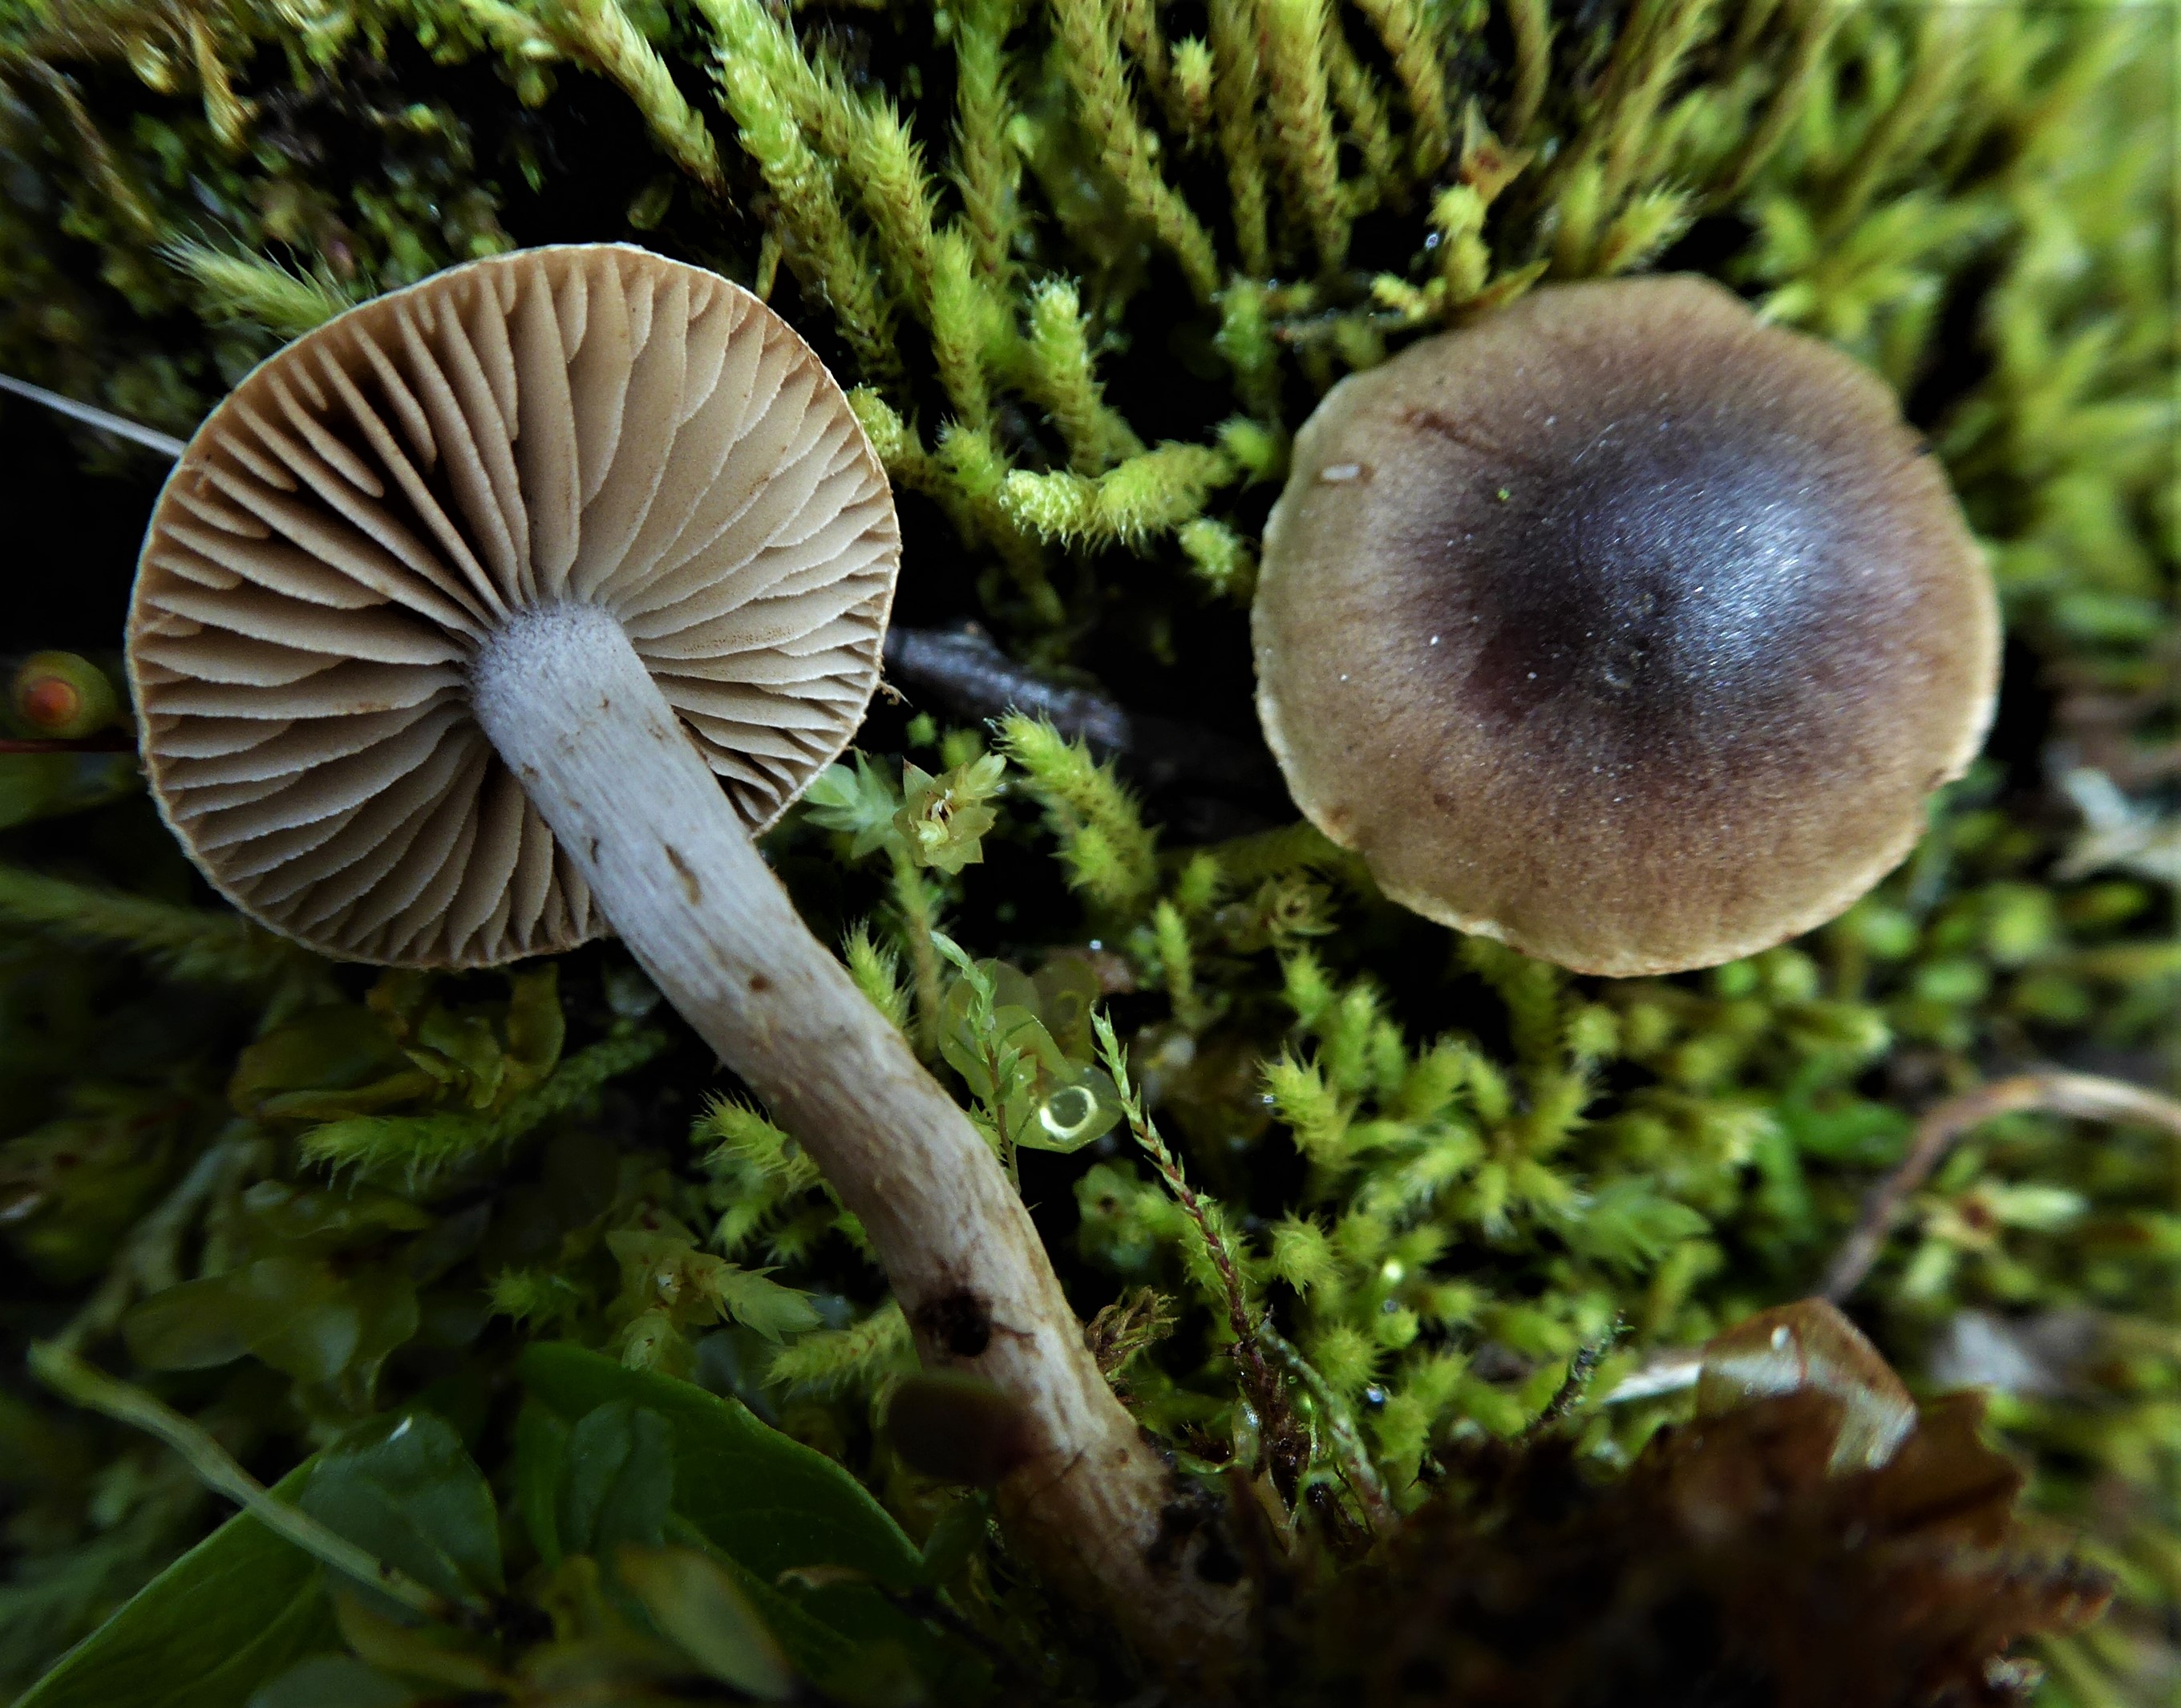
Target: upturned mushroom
(1621, 627)
(502, 610)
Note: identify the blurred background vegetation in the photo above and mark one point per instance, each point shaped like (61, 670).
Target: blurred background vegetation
(1088, 263)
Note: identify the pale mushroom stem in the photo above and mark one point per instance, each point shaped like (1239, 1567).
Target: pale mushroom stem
(570, 708)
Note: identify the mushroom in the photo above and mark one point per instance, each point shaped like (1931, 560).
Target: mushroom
(504, 609)
(1621, 627)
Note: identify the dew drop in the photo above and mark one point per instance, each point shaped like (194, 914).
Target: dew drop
(1067, 1112)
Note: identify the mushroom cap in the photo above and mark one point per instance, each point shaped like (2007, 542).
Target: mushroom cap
(1621, 627)
(591, 424)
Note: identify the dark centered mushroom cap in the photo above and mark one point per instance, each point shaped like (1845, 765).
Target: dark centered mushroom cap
(594, 424)
(1621, 627)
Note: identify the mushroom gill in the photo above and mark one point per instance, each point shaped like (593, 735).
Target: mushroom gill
(591, 425)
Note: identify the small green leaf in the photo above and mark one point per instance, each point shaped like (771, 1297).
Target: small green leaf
(405, 1087)
(852, 1643)
(314, 1322)
(768, 1500)
(536, 1031)
(468, 1042)
(438, 1654)
(195, 1326)
(1067, 991)
(2046, 1209)
(955, 1536)
(991, 1033)
(859, 802)
(1847, 1130)
(334, 1048)
(235, 1611)
(756, 1301)
(697, 1605)
(619, 1480)
(323, 1220)
(334, 1681)
(301, 1319)
(297, 1313)
(405, 1491)
(943, 819)
(541, 1468)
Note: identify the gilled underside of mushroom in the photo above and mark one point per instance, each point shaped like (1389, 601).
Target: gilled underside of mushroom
(353, 526)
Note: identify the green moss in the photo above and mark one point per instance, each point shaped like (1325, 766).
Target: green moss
(1089, 266)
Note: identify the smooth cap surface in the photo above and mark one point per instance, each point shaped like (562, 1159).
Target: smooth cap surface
(594, 424)
(1621, 627)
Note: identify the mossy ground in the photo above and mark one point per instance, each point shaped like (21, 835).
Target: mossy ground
(1090, 262)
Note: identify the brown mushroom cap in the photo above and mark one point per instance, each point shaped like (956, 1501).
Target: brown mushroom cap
(1621, 627)
(594, 424)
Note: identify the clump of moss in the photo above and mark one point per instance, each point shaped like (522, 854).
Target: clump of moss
(1356, 1196)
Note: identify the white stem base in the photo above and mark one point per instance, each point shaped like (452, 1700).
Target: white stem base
(572, 710)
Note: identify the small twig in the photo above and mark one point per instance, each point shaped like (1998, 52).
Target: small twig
(1265, 1390)
(1581, 1367)
(79, 1383)
(2085, 1096)
(120, 426)
(1170, 1167)
(964, 669)
(113, 742)
(1362, 1476)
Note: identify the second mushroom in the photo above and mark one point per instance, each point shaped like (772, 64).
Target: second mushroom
(506, 608)
(1621, 625)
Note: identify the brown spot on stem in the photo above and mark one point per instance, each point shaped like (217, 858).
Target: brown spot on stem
(690, 886)
(960, 1324)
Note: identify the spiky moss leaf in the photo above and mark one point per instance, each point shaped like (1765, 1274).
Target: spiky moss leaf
(418, 1148)
(191, 943)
